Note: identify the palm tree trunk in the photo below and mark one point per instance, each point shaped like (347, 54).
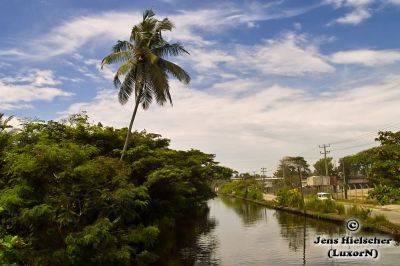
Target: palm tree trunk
(128, 134)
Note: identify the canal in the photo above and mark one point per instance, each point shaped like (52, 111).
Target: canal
(236, 232)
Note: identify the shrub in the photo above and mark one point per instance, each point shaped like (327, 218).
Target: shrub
(289, 198)
(385, 194)
(359, 212)
(247, 188)
(324, 206)
(340, 208)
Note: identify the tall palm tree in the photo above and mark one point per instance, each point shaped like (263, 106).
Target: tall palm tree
(144, 69)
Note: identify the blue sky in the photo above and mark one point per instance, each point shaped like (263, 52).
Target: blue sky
(269, 78)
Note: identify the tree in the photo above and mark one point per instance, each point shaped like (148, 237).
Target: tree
(67, 199)
(288, 169)
(319, 166)
(144, 67)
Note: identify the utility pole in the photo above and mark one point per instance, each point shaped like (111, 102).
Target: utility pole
(263, 170)
(345, 180)
(301, 190)
(324, 146)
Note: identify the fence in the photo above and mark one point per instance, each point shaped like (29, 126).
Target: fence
(354, 191)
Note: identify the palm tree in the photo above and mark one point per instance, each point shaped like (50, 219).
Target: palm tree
(143, 65)
(4, 122)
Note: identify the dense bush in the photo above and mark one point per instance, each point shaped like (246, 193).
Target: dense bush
(289, 198)
(385, 194)
(248, 188)
(324, 206)
(66, 198)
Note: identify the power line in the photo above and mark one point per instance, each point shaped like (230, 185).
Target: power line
(355, 146)
(368, 133)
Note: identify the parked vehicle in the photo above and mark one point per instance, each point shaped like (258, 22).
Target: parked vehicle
(324, 196)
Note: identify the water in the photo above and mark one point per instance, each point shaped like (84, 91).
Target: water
(236, 232)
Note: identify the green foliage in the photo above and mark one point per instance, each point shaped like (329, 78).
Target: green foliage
(385, 194)
(248, 188)
(66, 198)
(359, 212)
(319, 167)
(324, 206)
(379, 164)
(289, 168)
(289, 198)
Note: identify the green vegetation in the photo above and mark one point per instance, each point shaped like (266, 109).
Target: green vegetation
(144, 67)
(385, 194)
(289, 198)
(380, 165)
(290, 168)
(319, 167)
(67, 199)
(324, 206)
(248, 187)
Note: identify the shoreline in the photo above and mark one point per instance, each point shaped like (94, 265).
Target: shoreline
(388, 228)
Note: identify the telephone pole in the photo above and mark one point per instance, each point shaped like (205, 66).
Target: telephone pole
(263, 170)
(324, 146)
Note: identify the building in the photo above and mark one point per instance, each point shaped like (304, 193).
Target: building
(318, 181)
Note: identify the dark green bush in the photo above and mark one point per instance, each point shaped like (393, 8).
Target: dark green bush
(385, 194)
(289, 198)
(324, 206)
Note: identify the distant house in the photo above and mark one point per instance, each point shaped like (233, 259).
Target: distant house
(318, 181)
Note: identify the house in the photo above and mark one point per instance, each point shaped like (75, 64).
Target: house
(318, 181)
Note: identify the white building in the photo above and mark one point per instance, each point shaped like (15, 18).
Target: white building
(318, 181)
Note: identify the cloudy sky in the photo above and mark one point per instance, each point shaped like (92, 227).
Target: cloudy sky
(269, 78)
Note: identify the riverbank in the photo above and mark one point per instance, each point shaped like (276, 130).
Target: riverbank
(383, 227)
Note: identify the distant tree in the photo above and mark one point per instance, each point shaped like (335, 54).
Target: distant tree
(385, 167)
(144, 67)
(319, 167)
(288, 169)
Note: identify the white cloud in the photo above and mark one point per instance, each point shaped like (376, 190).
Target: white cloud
(35, 77)
(290, 55)
(366, 57)
(355, 17)
(18, 92)
(262, 125)
(67, 37)
(360, 10)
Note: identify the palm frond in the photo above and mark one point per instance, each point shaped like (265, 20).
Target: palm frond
(127, 87)
(124, 68)
(158, 80)
(122, 46)
(146, 98)
(148, 13)
(117, 57)
(167, 49)
(164, 24)
(175, 70)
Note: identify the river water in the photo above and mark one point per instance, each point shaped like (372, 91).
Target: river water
(235, 232)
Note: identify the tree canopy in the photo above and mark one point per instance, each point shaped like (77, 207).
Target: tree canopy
(66, 199)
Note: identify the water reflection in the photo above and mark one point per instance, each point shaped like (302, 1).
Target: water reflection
(248, 212)
(191, 243)
(235, 232)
